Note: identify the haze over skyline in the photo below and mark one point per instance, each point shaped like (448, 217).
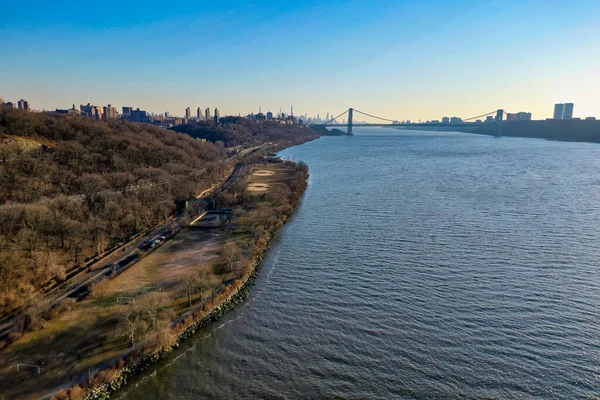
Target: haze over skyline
(397, 59)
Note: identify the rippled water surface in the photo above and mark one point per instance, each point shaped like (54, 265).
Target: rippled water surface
(419, 265)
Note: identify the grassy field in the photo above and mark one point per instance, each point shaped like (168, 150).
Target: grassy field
(93, 335)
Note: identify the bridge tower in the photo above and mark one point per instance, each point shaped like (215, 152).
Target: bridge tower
(350, 111)
(499, 117)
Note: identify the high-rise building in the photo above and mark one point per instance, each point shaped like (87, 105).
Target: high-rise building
(217, 115)
(86, 110)
(139, 116)
(24, 105)
(188, 113)
(445, 120)
(523, 116)
(269, 115)
(558, 111)
(110, 112)
(207, 114)
(520, 116)
(568, 111)
(127, 110)
(198, 113)
(454, 120)
(97, 112)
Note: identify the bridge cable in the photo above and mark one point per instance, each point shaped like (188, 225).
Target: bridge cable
(373, 116)
(479, 116)
(333, 119)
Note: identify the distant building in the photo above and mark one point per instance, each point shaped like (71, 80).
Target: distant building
(188, 113)
(127, 110)
(590, 118)
(9, 105)
(217, 115)
(24, 105)
(455, 120)
(198, 113)
(520, 116)
(86, 110)
(207, 114)
(70, 111)
(558, 111)
(568, 111)
(523, 116)
(269, 116)
(489, 118)
(445, 120)
(97, 112)
(110, 112)
(139, 116)
(261, 117)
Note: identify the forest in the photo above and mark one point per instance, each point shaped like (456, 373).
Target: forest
(71, 188)
(235, 131)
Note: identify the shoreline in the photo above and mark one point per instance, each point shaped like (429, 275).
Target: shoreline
(229, 301)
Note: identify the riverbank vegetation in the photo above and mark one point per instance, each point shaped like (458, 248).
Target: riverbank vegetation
(161, 299)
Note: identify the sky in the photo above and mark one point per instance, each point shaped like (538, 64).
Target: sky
(416, 60)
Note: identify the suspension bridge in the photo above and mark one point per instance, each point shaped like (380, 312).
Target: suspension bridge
(498, 117)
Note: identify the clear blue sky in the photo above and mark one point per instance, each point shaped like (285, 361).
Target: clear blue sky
(398, 59)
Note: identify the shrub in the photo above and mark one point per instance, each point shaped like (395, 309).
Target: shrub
(99, 289)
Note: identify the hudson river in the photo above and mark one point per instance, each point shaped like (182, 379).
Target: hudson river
(419, 265)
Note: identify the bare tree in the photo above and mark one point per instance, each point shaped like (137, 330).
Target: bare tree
(151, 305)
(232, 255)
(190, 287)
(201, 282)
(130, 322)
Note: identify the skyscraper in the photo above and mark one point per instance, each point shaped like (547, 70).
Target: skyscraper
(97, 112)
(110, 112)
(217, 115)
(188, 113)
(139, 116)
(568, 111)
(558, 111)
(198, 113)
(24, 105)
(127, 110)
(207, 114)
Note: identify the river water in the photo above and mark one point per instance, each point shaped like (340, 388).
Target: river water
(419, 265)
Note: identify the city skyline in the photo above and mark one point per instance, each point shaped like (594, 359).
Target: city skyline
(434, 59)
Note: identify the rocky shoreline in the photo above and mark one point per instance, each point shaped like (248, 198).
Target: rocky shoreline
(145, 361)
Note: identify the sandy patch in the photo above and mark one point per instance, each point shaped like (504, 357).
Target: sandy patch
(263, 172)
(258, 187)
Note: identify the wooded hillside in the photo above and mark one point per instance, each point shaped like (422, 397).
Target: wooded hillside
(235, 131)
(71, 187)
